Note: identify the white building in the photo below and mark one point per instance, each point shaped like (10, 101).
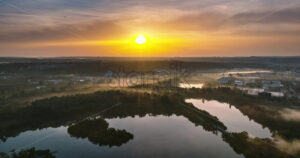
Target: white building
(277, 94)
(255, 91)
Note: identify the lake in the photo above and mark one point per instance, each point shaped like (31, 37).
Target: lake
(154, 136)
(143, 130)
(232, 118)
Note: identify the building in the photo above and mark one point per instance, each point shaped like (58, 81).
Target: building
(238, 83)
(40, 87)
(271, 94)
(277, 94)
(108, 74)
(276, 84)
(271, 84)
(255, 91)
(266, 84)
(249, 81)
(224, 80)
(265, 94)
(55, 81)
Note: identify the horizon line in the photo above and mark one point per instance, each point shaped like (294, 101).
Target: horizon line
(37, 57)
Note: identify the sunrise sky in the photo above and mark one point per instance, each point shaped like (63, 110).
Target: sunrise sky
(181, 28)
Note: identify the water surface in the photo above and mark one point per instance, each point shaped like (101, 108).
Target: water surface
(154, 136)
(232, 118)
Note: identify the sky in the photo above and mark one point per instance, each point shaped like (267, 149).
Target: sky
(172, 28)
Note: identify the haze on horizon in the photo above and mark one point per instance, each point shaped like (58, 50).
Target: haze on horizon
(47, 28)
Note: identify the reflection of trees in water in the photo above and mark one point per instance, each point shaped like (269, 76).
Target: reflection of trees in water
(29, 153)
(253, 147)
(97, 132)
(54, 112)
(261, 110)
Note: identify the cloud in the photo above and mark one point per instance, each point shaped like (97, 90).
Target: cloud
(287, 23)
(95, 30)
(289, 15)
(268, 23)
(207, 21)
(284, 22)
(76, 20)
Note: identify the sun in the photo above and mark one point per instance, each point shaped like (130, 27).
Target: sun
(140, 39)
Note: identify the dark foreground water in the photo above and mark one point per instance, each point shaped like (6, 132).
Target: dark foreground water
(159, 136)
(153, 136)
